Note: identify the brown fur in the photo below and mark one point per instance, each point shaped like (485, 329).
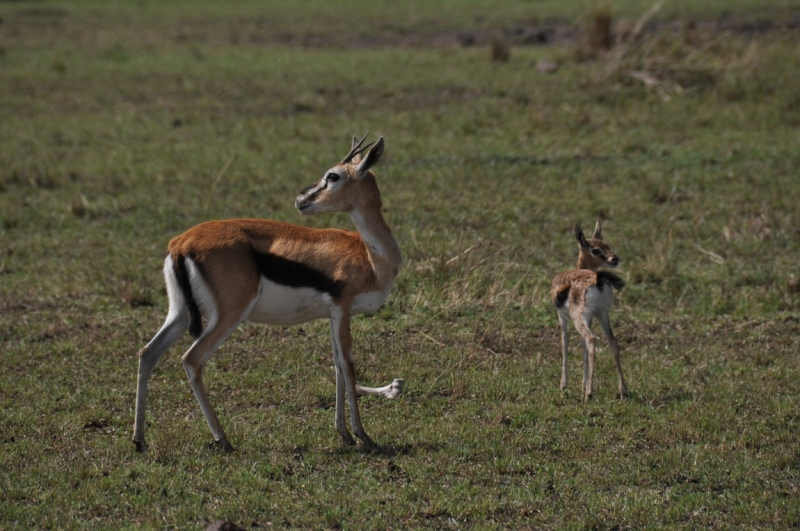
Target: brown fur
(214, 245)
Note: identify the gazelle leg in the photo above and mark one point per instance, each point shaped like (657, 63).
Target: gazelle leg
(195, 359)
(174, 327)
(339, 422)
(340, 322)
(587, 393)
(585, 350)
(583, 325)
(614, 346)
(563, 320)
(393, 390)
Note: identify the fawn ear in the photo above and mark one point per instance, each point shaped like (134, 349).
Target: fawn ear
(580, 237)
(597, 230)
(372, 158)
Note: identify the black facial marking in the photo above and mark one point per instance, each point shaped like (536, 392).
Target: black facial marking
(311, 197)
(296, 275)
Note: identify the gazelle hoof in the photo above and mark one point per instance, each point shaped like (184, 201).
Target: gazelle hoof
(141, 447)
(395, 388)
(347, 439)
(222, 444)
(368, 443)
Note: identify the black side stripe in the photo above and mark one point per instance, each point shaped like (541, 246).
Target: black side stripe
(195, 319)
(607, 277)
(296, 275)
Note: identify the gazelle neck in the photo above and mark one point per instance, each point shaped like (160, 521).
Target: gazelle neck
(384, 253)
(586, 263)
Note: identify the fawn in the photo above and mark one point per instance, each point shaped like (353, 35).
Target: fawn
(583, 293)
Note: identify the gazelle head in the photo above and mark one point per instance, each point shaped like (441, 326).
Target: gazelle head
(594, 252)
(345, 184)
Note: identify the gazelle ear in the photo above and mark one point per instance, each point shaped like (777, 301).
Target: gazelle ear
(357, 157)
(372, 158)
(597, 229)
(580, 237)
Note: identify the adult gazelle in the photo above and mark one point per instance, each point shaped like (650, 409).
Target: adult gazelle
(276, 273)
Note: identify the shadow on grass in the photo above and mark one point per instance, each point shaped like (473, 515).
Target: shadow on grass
(391, 450)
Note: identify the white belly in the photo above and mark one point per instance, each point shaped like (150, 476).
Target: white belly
(598, 301)
(283, 305)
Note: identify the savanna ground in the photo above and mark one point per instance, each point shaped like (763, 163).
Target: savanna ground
(123, 124)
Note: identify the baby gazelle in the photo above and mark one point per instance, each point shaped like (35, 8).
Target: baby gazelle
(583, 293)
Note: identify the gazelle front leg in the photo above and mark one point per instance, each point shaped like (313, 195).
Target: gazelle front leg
(340, 326)
(589, 387)
(614, 346)
(585, 351)
(588, 341)
(339, 422)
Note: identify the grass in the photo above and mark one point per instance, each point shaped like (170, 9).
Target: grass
(122, 125)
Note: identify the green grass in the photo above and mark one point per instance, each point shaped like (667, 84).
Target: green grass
(123, 125)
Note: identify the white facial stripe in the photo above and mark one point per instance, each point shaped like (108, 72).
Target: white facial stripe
(323, 184)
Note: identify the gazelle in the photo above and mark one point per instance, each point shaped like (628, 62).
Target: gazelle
(583, 293)
(276, 273)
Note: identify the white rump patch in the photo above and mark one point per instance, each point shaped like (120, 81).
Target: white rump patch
(202, 295)
(177, 305)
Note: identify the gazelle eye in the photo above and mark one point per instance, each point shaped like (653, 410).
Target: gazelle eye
(333, 177)
(596, 252)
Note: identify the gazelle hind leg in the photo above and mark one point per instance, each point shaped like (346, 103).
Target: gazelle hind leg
(583, 324)
(563, 320)
(614, 346)
(194, 361)
(174, 327)
(224, 320)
